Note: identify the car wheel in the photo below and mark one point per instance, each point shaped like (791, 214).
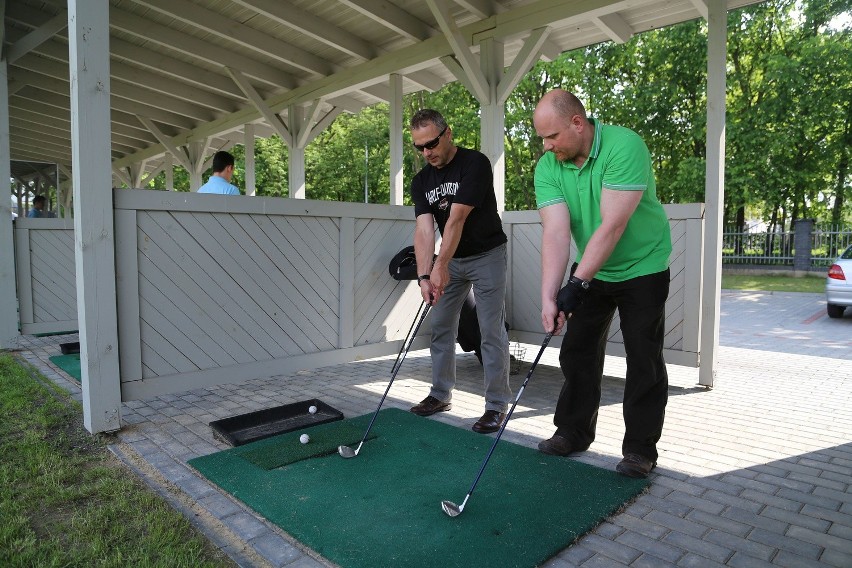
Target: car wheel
(835, 311)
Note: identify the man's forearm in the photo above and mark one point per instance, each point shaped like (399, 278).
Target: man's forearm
(449, 241)
(424, 250)
(554, 263)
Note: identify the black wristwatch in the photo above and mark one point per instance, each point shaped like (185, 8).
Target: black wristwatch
(422, 277)
(584, 284)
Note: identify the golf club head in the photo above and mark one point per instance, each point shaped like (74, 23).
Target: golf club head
(451, 508)
(346, 452)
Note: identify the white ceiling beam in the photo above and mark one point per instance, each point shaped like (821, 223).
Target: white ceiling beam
(487, 8)
(701, 6)
(135, 133)
(55, 64)
(118, 104)
(479, 8)
(195, 79)
(175, 40)
(425, 79)
(122, 176)
(232, 31)
(117, 89)
(145, 58)
(524, 60)
(290, 15)
(614, 26)
(304, 135)
(393, 18)
(178, 153)
(38, 36)
(512, 23)
(553, 13)
(476, 79)
(272, 119)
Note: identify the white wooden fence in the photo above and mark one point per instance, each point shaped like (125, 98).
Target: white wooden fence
(45, 275)
(219, 289)
(683, 308)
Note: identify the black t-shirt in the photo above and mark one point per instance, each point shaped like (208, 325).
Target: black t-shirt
(469, 180)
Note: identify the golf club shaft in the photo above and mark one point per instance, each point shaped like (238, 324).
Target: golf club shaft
(402, 348)
(509, 415)
(406, 346)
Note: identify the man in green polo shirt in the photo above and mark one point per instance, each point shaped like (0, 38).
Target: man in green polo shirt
(595, 182)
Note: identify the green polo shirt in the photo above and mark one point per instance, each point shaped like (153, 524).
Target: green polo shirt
(619, 160)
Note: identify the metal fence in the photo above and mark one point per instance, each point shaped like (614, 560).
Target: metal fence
(818, 245)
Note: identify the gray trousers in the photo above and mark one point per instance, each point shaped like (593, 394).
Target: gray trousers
(486, 272)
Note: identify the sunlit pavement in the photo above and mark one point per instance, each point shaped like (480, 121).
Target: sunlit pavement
(755, 472)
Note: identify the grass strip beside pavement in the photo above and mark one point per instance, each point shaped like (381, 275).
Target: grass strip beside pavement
(772, 283)
(65, 500)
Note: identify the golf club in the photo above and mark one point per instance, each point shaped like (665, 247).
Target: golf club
(451, 508)
(346, 451)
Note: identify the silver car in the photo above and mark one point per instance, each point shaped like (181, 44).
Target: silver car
(838, 285)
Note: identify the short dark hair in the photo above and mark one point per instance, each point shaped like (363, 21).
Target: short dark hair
(425, 117)
(38, 199)
(222, 160)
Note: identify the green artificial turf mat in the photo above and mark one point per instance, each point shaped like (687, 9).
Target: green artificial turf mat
(383, 507)
(286, 448)
(70, 364)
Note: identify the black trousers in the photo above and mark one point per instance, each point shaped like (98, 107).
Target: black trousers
(641, 305)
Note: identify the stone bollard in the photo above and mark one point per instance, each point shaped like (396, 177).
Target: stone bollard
(802, 243)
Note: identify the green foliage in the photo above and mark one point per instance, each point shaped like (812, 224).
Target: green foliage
(788, 131)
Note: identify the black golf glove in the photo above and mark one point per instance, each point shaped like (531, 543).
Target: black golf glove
(572, 295)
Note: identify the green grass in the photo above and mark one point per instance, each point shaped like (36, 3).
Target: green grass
(772, 283)
(65, 500)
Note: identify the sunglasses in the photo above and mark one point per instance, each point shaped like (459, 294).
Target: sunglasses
(431, 143)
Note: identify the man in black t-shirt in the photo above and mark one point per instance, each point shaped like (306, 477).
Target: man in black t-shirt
(456, 191)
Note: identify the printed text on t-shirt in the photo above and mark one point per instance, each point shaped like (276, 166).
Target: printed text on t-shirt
(448, 188)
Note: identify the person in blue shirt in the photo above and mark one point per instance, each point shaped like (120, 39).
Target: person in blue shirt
(223, 170)
(38, 212)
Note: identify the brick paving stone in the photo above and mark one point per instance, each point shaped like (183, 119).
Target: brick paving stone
(784, 542)
(796, 519)
(750, 548)
(755, 472)
(246, 525)
(789, 559)
(742, 560)
(704, 548)
(691, 560)
(650, 546)
(718, 522)
(648, 561)
(275, 549)
(838, 558)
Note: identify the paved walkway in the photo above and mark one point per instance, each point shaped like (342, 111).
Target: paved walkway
(755, 472)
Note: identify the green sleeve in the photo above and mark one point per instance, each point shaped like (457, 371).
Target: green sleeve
(548, 190)
(629, 165)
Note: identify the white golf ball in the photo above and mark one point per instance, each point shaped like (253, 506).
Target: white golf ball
(304, 438)
(312, 410)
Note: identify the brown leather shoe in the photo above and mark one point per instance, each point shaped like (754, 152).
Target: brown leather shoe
(634, 465)
(556, 446)
(489, 422)
(429, 406)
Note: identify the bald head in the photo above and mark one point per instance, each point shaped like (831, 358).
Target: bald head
(560, 119)
(561, 104)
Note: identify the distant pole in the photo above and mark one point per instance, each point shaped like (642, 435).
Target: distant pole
(366, 171)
